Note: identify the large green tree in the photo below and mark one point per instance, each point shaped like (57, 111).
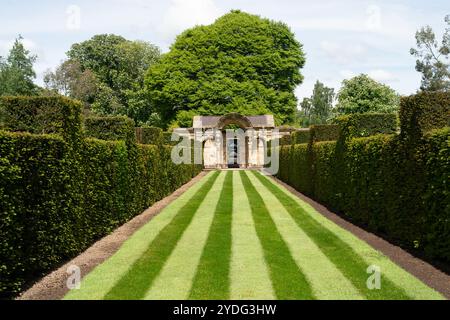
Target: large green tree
(16, 71)
(318, 108)
(107, 72)
(241, 63)
(362, 94)
(433, 58)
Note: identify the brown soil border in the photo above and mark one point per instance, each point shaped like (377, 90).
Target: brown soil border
(422, 270)
(53, 286)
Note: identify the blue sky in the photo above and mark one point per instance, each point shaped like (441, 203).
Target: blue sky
(341, 38)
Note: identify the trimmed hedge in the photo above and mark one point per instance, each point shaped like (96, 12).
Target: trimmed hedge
(423, 112)
(382, 182)
(301, 136)
(61, 193)
(150, 135)
(366, 124)
(41, 115)
(324, 132)
(53, 206)
(110, 128)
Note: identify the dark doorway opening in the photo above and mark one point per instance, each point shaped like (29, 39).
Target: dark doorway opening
(233, 154)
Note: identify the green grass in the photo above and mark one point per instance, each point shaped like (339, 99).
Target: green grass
(135, 283)
(212, 280)
(239, 235)
(287, 279)
(338, 252)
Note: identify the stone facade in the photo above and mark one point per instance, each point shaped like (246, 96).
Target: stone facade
(243, 146)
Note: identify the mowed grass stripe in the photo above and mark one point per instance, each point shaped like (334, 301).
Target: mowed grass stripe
(212, 281)
(249, 275)
(175, 280)
(413, 287)
(341, 254)
(288, 281)
(139, 278)
(326, 281)
(102, 279)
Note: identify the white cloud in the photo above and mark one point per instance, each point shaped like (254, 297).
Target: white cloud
(343, 53)
(186, 14)
(382, 75)
(347, 74)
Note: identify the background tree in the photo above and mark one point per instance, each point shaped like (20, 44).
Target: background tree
(69, 80)
(241, 63)
(362, 94)
(16, 72)
(107, 72)
(318, 108)
(433, 58)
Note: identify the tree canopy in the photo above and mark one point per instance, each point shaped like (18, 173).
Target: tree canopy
(432, 58)
(362, 94)
(107, 72)
(241, 63)
(16, 71)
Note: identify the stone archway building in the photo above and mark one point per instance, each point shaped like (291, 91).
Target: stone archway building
(224, 148)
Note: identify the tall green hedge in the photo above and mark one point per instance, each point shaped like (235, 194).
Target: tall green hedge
(54, 206)
(41, 115)
(301, 136)
(366, 124)
(423, 112)
(324, 132)
(382, 182)
(61, 192)
(110, 128)
(150, 135)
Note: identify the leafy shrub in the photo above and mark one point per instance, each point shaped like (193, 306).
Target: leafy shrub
(110, 128)
(150, 135)
(41, 115)
(300, 136)
(324, 132)
(366, 124)
(285, 140)
(54, 205)
(396, 185)
(423, 112)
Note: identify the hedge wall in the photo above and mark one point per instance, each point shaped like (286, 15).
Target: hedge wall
(61, 193)
(41, 115)
(301, 136)
(324, 132)
(366, 124)
(382, 182)
(53, 206)
(150, 135)
(423, 112)
(110, 128)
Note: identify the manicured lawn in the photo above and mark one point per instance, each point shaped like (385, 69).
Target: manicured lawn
(239, 235)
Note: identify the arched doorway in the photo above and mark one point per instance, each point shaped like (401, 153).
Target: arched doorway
(233, 127)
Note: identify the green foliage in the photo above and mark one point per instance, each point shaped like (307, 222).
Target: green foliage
(362, 94)
(383, 182)
(241, 63)
(110, 128)
(301, 136)
(364, 125)
(41, 115)
(324, 132)
(432, 58)
(54, 203)
(423, 112)
(318, 108)
(107, 73)
(150, 135)
(16, 73)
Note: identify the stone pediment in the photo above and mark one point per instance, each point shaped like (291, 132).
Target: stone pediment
(245, 122)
